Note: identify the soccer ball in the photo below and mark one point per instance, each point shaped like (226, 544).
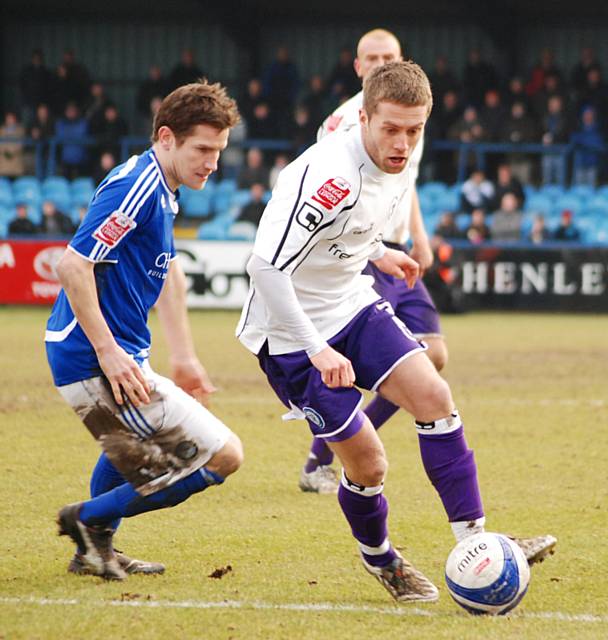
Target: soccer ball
(487, 573)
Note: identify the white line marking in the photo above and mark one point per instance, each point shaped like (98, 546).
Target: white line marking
(268, 606)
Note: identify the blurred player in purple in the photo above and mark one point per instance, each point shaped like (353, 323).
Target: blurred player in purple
(414, 306)
(160, 444)
(320, 330)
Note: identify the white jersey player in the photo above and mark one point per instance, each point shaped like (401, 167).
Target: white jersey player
(414, 306)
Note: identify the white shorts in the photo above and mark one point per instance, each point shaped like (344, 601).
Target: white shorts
(153, 445)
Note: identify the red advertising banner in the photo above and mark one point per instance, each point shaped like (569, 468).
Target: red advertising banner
(27, 271)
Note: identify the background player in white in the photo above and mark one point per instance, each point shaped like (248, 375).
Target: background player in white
(160, 444)
(318, 327)
(414, 306)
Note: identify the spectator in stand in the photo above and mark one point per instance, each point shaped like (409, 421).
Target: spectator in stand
(54, 222)
(447, 227)
(252, 98)
(233, 156)
(43, 124)
(589, 149)
(478, 231)
(467, 128)
(506, 182)
(280, 162)
(111, 128)
(441, 165)
(58, 92)
(595, 94)
(479, 76)
(184, 72)
(72, 128)
(95, 107)
(492, 116)
(262, 125)
(12, 163)
(516, 92)
(155, 86)
(315, 99)
(588, 61)
(21, 225)
(77, 79)
(518, 128)
(343, 80)
(539, 232)
(546, 66)
(477, 192)
(107, 161)
(252, 211)
(303, 131)
(443, 79)
(254, 171)
(555, 130)
(281, 84)
(567, 231)
(35, 82)
(506, 222)
(552, 87)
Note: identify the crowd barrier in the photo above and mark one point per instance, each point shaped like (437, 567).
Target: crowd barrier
(556, 277)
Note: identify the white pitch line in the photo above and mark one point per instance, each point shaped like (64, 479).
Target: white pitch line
(268, 606)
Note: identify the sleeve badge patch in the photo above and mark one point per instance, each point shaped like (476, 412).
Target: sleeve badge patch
(331, 193)
(114, 228)
(333, 122)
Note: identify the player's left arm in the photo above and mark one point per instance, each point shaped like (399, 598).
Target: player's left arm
(186, 369)
(421, 250)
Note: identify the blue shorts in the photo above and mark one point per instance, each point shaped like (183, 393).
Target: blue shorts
(414, 306)
(375, 341)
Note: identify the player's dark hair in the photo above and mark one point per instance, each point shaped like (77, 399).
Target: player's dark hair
(402, 82)
(194, 104)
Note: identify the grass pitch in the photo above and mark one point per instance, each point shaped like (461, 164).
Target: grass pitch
(532, 393)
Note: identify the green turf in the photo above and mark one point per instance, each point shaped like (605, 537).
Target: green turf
(532, 392)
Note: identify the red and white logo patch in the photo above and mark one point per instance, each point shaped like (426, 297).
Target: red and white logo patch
(333, 122)
(114, 228)
(332, 192)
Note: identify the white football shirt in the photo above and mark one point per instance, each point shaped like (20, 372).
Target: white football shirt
(327, 215)
(345, 117)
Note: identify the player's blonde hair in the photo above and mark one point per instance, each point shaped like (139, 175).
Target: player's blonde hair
(402, 82)
(194, 104)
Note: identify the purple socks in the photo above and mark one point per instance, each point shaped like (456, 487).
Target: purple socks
(450, 466)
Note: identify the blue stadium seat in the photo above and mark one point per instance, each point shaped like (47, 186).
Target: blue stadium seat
(242, 231)
(552, 191)
(597, 202)
(6, 193)
(448, 201)
(433, 189)
(602, 191)
(539, 203)
(196, 204)
(427, 204)
(463, 221)
(81, 191)
(568, 201)
(581, 191)
(529, 190)
(241, 197)
(27, 190)
(3, 228)
(217, 229)
(82, 184)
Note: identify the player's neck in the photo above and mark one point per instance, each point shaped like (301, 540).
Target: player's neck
(166, 166)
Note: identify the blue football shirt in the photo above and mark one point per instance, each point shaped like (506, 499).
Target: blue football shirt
(127, 233)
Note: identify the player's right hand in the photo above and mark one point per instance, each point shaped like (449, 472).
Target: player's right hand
(124, 375)
(336, 370)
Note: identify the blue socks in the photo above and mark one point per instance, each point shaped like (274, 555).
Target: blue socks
(123, 501)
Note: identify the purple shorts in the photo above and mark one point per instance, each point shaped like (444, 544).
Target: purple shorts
(414, 307)
(375, 341)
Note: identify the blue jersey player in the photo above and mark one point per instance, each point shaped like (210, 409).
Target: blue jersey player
(160, 444)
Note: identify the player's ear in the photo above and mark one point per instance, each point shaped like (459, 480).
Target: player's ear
(363, 119)
(357, 67)
(166, 137)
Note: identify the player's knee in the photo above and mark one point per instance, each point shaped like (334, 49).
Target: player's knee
(229, 458)
(437, 401)
(438, 353)
(372, 474)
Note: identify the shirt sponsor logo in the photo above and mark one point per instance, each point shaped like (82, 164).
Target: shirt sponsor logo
(331, 193)
(309, 217)
(114, 228)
